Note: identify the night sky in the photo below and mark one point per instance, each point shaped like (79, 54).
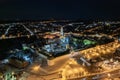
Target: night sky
(59, 9)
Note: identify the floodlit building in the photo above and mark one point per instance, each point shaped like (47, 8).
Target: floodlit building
(62, 32)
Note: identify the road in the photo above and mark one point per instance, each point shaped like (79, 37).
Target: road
(51, 71)
(112, 74)
(6, 32)
(28, 29)
(53, 66)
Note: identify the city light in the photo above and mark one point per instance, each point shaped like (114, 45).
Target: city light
(60, 50)
(36, 68)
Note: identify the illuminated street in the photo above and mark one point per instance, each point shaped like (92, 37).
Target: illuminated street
(59, 39)
(70, 69)
(39, 52)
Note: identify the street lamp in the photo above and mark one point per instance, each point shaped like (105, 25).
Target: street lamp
(36, 68)
(108, 75)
